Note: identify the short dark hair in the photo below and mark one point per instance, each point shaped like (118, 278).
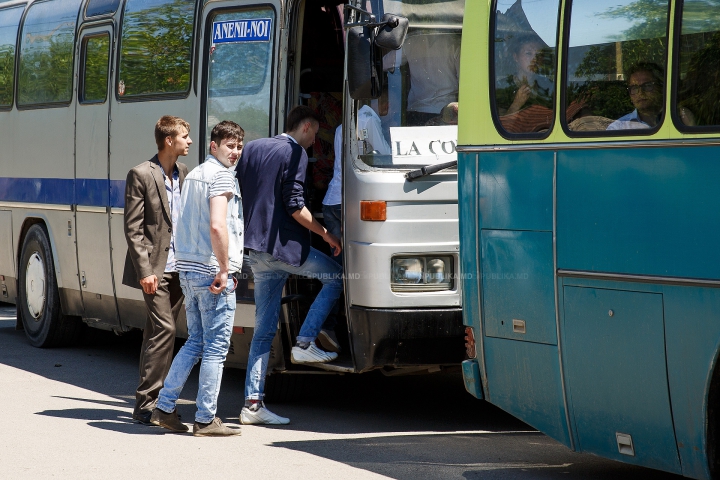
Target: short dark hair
(657, 72)
(298, 115)
(168, 126)
(226, 129)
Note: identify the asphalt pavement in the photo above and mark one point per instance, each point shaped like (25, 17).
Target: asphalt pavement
(67, 415)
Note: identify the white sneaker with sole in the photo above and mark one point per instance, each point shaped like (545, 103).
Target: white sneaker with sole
(311, 354)
(261, 416)
(328, 340)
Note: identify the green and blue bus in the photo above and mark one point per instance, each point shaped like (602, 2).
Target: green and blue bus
(588, 168)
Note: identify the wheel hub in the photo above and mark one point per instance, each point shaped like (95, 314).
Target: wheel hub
(35, 285)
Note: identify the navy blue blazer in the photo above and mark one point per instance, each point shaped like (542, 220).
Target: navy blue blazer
(271, 174)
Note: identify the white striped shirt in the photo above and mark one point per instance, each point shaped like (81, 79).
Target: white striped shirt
(223, 182)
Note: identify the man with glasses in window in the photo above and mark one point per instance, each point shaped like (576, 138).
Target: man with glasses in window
(645, 86)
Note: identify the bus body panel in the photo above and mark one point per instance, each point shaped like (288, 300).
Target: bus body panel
(614, 359)
(524, 380)
(630, 207)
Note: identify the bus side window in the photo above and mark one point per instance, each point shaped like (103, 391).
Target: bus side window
(96, 51)
(156, 47)
(9, 23)
(616, 72)
(524, 67)
(698, 91)
(45, 74)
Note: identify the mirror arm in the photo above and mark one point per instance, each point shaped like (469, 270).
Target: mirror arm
(361, 12)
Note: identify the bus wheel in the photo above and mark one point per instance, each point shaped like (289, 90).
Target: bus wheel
(39, 302)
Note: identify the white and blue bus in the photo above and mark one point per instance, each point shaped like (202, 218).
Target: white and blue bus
(82, 83)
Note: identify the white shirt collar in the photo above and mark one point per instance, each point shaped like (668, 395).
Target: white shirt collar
(290, 137)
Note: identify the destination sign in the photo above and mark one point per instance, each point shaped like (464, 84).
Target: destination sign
(252, 30)
(423, 145)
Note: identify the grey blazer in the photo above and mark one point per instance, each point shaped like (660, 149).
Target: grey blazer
(148, 226)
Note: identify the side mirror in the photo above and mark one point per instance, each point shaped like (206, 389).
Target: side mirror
(364, 80)
(366, 41)
(392, 35)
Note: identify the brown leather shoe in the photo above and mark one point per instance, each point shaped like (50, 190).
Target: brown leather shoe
(168, 420)
(216, 428)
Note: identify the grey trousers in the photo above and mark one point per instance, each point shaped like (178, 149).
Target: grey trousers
(158, 340)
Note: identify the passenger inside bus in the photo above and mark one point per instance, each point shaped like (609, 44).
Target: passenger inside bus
(645, 87)
(433, 61)
(525, 87)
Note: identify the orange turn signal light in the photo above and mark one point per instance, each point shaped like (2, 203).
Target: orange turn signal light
(373, 210)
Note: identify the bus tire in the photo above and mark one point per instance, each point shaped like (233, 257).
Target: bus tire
(39, 299)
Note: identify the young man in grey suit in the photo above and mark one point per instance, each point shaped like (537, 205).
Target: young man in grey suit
(152, 199)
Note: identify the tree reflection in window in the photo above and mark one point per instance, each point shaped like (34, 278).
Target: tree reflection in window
(9, 22)
(156, 47)
(605, 48)
(699, 64)
(96, 69)
(46, 53)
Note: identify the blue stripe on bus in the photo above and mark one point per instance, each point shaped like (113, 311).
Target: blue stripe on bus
(64, 191)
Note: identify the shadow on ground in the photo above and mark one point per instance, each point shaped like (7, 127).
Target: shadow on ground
(411, 427)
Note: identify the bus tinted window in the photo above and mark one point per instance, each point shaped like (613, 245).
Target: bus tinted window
(9, 22)
(698, 89)
(239, 76)
(616, 65)
(46, 53)
(101, 7)
(414, 122)
(155, 47)
(524, 65)
(95, 71)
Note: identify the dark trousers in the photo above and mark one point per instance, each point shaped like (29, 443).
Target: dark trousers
(158, 340)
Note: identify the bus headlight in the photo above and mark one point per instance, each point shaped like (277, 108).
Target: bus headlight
(421, 274)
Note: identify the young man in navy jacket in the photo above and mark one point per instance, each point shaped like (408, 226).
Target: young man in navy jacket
(271, 173)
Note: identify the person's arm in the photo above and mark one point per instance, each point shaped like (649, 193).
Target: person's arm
(219, 240)
(135, 231)
(294, 200)
(305, 218)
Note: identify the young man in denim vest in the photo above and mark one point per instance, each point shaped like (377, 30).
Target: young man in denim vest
(272, 175)
(209, 249)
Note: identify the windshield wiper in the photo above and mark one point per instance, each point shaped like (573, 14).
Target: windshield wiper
(429, 170)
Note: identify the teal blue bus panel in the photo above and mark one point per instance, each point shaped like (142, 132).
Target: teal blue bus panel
(517, 284)
(646, 211)
(524, 380)
(516, 190)
(692, 336)
(614, 359)
(469, 242)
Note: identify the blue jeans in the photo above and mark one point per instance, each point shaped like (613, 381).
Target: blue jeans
(332, 214)
(209, 322)
(270, 276)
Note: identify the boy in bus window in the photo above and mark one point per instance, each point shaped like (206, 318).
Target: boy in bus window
(526, 93)
(209, 251)
(152, 197)
(646, 89)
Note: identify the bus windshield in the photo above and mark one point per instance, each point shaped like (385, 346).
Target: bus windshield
(414, 122)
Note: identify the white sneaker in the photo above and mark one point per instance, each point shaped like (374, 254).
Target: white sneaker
(261, 416)
(311, 354)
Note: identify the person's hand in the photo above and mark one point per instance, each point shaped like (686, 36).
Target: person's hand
(219, 283)
(334, 243)
(521, 96)
(687, 116)
(149, 284)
